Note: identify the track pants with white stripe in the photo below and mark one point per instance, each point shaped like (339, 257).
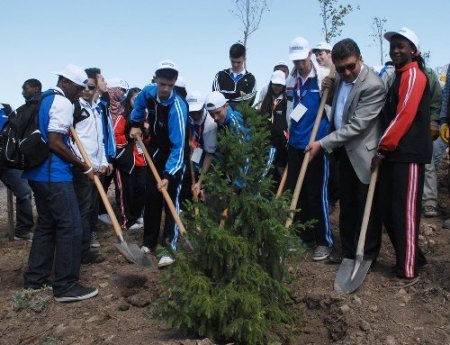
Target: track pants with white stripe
(313, 200)
(400, 203)
(153, 210)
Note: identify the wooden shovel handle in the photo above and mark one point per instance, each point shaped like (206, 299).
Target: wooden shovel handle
(282, 183)
(164, 192)
(301, 175)
(98, 184)
(366, 215)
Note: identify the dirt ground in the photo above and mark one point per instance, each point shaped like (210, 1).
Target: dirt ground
(123, 311)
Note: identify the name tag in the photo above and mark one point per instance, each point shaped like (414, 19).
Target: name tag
(298, 112)
(197, 155)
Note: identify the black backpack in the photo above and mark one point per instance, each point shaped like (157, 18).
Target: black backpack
(21, 142)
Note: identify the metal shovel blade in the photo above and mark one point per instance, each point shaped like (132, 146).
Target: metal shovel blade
(133, 254)
(350, 275)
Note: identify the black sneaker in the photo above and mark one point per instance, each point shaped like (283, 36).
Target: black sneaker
(91, 257)
(76, 293)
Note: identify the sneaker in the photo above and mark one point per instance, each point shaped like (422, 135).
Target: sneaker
(104, 218)
(165, 261)
(145, 250)
(77, 292)
(94, 240)
(429, 211)
(321, 253)
(140, 220)
(25, 237)
(91, 257)
(136, 226)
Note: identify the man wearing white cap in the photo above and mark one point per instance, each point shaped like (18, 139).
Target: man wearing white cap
(166, 113)
(322, 51)
(304, 96)
(203, 134)
(57, 237)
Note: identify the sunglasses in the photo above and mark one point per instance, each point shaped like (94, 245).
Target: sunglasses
(91, 87)
(350, 67)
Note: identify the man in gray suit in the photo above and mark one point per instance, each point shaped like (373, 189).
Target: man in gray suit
(355, 131)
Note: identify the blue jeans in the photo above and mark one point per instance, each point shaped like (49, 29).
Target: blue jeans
(12, 178)
(57, 237)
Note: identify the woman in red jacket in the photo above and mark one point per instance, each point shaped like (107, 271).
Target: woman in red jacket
(131, 169)
(404, 149)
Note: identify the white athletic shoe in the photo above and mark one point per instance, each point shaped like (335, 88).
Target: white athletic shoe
(165, 261)
(145, 250)
(140, 220)
(104, 218)
(135, 227)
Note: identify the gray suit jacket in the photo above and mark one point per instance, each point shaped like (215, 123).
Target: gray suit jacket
(360, 131)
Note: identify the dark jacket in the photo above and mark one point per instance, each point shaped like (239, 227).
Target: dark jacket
(231, 89)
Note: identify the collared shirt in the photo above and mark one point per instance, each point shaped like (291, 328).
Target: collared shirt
(344, 91)
(90, 131)
(237, 76)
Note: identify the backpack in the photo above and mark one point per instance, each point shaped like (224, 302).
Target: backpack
(21, 143)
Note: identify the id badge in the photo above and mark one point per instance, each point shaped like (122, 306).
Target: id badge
(197, 155)
(298, 112)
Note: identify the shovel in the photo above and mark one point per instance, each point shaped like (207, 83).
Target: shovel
(165, 194)
(131, 252)
(351, 273)
(301, 175)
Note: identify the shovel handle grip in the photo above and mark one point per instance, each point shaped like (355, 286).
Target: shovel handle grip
(164, 192)
(99, 186)
(301, 176)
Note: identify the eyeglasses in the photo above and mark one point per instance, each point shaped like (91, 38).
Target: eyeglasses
(91, 87)
(350, 67)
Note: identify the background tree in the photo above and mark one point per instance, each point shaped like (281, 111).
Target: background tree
(378, 27)
(333, 17)
(233, 287)
(250, 13)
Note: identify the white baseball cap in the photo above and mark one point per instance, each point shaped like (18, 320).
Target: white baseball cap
(322, 46)
(281, 63)
(278, 77)
(405, 32)
(196, 100)
(299, 49)
(117, 82)
(167, 64)
(74, 73)
(215, 100)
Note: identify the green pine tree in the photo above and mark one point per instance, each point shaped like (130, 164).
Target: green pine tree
(233, 285)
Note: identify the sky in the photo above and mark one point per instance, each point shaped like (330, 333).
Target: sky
(127, 39)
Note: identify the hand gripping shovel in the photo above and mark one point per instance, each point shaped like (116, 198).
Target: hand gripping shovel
(131, 252)
(351, 273)
(301, 175)
(165, 194)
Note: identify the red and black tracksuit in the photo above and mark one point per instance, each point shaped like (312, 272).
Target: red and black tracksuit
(407, 146)
(131, 174)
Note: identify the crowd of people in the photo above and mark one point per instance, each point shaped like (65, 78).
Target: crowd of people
(385, 121)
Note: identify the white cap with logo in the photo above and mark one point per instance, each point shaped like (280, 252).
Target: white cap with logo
(299, 49)
(74, 73)
(215, 100)
(117, 82)
(167, 64)
(196, 100)
(405, 32)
